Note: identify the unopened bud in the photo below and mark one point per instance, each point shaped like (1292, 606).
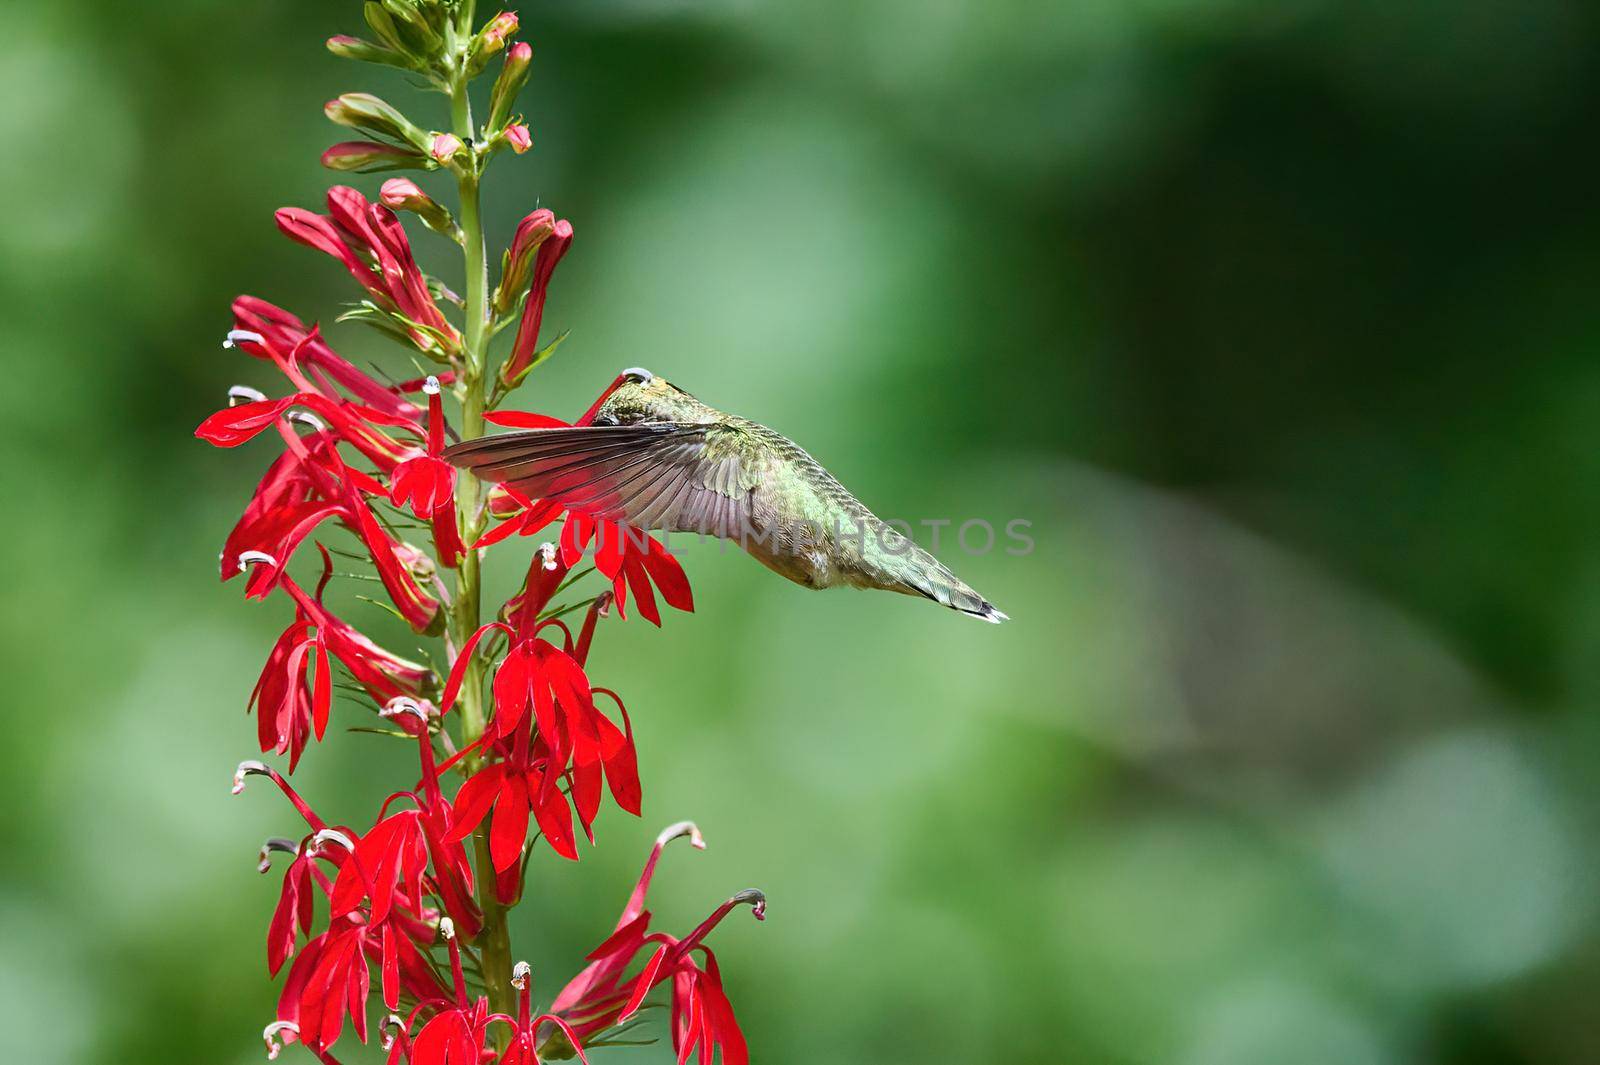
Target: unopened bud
(517, 264)
(444, 146)
(362, 110)
(346, 47)
(402, 194)
(402, 24)
(519, 138)
(367, 157)
(513, 76)
(490, 41)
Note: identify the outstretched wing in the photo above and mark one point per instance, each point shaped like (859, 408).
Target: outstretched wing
(673, 476)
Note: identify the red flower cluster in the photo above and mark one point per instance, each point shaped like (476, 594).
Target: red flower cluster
(413, 906)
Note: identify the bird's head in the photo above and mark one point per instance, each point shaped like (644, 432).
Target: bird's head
(637, 395)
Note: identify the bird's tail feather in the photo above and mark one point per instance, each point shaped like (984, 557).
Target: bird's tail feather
(919, 573)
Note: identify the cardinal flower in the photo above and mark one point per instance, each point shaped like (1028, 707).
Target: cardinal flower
(599, 997)
(630, 558)
(427, 483)
(524, 1046)
(569, 737)
(333, 491)
(369, 241)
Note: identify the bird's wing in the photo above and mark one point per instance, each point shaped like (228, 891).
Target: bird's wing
(673, 476)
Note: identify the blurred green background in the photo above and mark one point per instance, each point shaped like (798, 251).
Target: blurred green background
(1279, 322)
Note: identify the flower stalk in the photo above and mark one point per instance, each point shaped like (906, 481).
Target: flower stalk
(393, 910)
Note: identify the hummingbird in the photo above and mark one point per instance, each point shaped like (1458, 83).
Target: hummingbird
(652, 456)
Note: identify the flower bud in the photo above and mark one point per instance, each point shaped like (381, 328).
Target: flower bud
(402, 26)
(402, 194)
(368, 156)
(513, 76)
(347, 47)
(361, 110)
(490, 41)
(532, 231)
(519, 138)
(444, 146)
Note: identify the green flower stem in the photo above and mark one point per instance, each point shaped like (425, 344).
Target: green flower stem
(494, 941)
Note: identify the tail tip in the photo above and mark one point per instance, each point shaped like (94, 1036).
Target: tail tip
(992, 614)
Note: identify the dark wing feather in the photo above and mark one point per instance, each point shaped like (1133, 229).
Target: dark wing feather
(674, 476)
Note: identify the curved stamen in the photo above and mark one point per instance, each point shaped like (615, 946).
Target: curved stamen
(757, 900)
(385, 1036)
(269, 1033)
(278, 844)
(237, 336)
(331, 835)
(682, 828)
(431, 385)
(402, 704)
(245, 394)
(447, 928)
(307, 418)
(248, 768)
(547, 552)
(520, 973)
(250, 558)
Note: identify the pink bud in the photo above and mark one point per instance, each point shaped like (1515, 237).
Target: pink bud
(500, 27)
(519, 138)
(400, 193)
(445, 146)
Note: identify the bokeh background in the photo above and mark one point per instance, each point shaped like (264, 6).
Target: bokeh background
(1280, 321)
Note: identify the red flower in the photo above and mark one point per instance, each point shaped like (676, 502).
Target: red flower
(524, 1046)
(427, 483)
(369, 240)
(568, 737)
(456, 1034)
(550, 251)
(599, 997)
(331, 490)
(630, 558)
(269, 332)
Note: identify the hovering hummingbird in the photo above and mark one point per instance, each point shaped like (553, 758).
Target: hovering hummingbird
(650, 455)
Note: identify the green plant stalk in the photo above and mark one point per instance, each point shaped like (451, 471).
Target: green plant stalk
(494, 940)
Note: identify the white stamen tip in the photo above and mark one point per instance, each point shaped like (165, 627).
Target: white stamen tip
(246, 768)
(548, 553)
(386, 1039)
(331, 835)
(307, 418)
(520, 973)
(245, 394)
(238, 336)
(269, 1036)
(250, 558)
(401, 704)
(431, 385)
(447, 928)
(682, 828)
